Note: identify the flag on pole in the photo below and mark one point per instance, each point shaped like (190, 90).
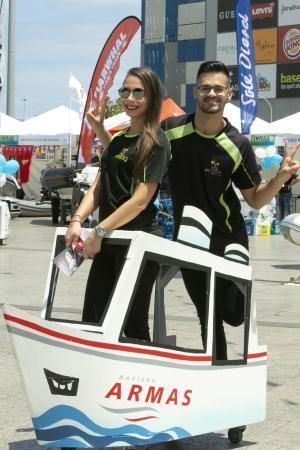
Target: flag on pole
(103, 76)
(76, 89)
(246, 65)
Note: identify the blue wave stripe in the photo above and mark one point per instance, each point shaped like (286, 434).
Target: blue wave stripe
(62, 412)
(59, 437)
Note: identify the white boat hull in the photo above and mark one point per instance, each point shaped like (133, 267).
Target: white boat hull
(98, 393)
(31, 208)
(99, 389)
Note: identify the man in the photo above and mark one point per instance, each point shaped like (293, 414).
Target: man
(208, 156)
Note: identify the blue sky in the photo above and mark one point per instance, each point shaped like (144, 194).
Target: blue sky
(56, 37)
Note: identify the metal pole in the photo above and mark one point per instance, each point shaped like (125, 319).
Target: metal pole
(10, 104)
(270, 106)
(24, 108)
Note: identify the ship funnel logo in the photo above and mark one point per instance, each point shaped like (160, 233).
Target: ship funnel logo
(61, 384)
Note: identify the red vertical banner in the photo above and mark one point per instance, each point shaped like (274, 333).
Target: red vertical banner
(103, 76)
(23, 155)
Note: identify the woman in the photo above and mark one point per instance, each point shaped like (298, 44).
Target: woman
(132, 166)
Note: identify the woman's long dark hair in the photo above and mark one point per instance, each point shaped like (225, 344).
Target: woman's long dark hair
(148, 138)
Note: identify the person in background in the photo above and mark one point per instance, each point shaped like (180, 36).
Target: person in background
(209, 155)
(132, 167)
(285, 192)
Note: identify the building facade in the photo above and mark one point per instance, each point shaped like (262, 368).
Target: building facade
(177, 35)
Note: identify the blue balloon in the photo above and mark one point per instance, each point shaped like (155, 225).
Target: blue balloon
(2, 162)
(266, 162)
(12, 166)
(276, 159)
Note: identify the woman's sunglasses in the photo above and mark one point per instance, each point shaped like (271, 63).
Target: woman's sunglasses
(137, 93)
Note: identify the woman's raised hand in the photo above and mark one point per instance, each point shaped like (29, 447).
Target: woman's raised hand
(96, 114)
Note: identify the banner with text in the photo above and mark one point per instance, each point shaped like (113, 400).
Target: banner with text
(246, 65)
(104, 73)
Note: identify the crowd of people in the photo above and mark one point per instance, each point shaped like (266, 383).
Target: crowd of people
(204, 157)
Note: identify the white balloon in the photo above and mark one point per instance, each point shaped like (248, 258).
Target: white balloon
(2, 179)
(260, 152)
(271, 150)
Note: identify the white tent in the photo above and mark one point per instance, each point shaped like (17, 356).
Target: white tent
(60, 120)
(233, 114)
(287, 125)
(9, 125)
(121, 119)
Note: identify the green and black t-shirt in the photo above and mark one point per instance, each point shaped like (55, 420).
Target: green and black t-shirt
(117, 184)
(201, 173)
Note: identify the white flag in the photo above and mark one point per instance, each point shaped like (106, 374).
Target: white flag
(77, 91)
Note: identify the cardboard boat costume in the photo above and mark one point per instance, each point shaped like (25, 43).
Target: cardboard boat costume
(90, 386)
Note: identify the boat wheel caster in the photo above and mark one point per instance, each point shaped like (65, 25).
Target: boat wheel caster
(235, 435)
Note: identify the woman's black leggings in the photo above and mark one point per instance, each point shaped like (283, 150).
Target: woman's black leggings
(104, 274)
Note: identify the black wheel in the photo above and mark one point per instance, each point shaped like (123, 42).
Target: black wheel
(68, 448)
(235, 435)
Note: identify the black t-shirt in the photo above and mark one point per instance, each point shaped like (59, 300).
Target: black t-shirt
(117, 184)
(286, 187)
(201, 173)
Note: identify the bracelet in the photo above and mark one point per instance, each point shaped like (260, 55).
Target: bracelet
(77, 215)
(75, 220)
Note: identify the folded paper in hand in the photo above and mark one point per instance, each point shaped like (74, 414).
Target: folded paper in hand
(71, 258)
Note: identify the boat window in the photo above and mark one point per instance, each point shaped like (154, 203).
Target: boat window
(173, 317)
(66, 295)
(232, 308)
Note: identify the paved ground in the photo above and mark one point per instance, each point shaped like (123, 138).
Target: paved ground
(23, 267)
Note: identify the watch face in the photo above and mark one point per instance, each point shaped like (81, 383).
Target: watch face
(100, 231)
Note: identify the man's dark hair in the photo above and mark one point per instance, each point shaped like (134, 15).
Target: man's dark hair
(213, 66)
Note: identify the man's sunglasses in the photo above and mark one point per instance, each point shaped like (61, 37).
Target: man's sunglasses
(137, 93)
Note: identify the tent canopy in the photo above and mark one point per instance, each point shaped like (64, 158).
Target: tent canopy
(233, 114)
(9, 125)
(287, 125)
(60, 120)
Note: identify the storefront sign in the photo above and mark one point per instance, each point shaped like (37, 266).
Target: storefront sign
(59, 139)
(226, 16)
(289, 44)
(288, 80)
(8, 140)
(264, 15)
(226, 48)
(259, 140)
(288, 12)
(265, 44)
(233, 71)
(266, 80)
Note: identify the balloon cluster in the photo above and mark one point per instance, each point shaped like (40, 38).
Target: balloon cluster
(7, 168)
(268, 156)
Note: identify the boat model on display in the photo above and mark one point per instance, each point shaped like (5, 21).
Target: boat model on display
(34, 208)
(89, 385)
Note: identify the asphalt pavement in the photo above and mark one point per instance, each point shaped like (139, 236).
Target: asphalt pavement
(24, 263)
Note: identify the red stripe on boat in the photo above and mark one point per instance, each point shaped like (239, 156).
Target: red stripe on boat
(104, 345)
(139, 419)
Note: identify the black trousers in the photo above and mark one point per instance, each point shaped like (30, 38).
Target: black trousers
(103, 276)
(229, 306)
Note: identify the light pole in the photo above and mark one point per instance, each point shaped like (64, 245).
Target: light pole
(270, 106)
(24, 108)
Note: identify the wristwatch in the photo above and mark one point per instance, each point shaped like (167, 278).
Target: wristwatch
(101, 231)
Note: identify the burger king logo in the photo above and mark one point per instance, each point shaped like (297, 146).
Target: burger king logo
(291, 43)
